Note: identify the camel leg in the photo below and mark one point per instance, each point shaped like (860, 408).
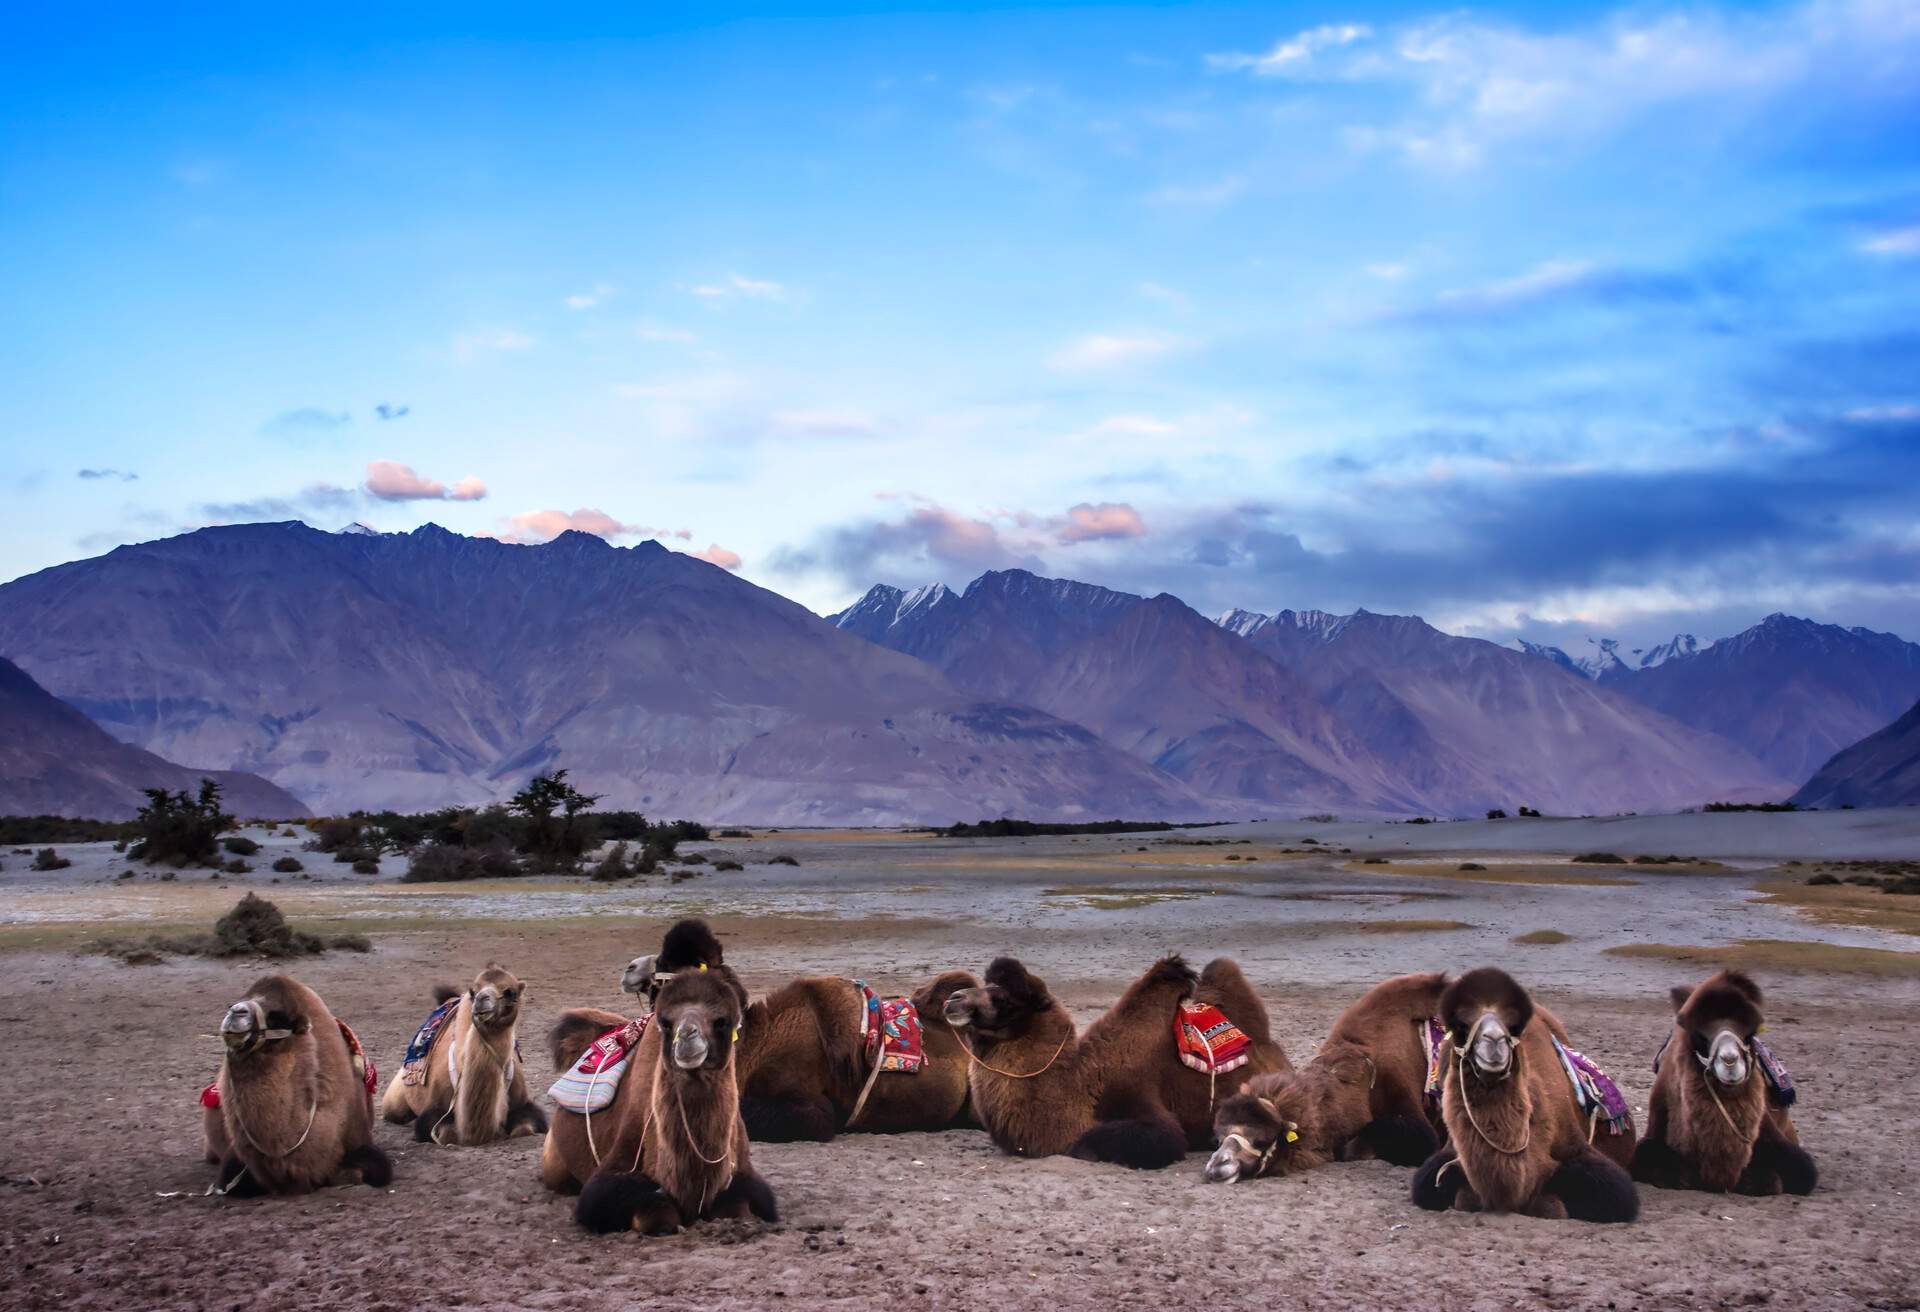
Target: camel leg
(788, 1120)
(1594, 1188)
(366, 1165)
(747, 1194)
(1150, 1142)
(1438, 1181)
(236, 1181)
(616, 1200)
(555, 1174)
(1402, 1140)
(435, 1125)
(1778, 1165)
(394, 1106)
(524, 1119)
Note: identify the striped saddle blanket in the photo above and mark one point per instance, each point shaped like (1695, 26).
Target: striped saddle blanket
(363, 1068)
(1208, 1041)
(1594, 1090)
(890, 1032)
(590, 1083)
(413, 1066)
(1433, 1037)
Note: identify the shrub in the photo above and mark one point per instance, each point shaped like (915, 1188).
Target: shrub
(613, 865)
(1599, 859)
(255, 927)
(736, 833)
(1496, 814)
(1824, 878)
(239, 845)
(1376, 861)
(1471, 865)
(237, 867)
(288, 865)
(1528, 813)
(178, 829)
(1323, 818)
(1905, 885)
(436, 863)
(353, 856)
(332, 835)
(694, 859)
(48, 859)
(366, 865)
(783, 860)
(735, 865)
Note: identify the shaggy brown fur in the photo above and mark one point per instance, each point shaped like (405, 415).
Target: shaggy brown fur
(487, 1104)
(1118, 1093)
(670, 1149)
(1363, 1094)
(1518, 1140)
(293, 1110)
(802, 1063)
(1744, 1144)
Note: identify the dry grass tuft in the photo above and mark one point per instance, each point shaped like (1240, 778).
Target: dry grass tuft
(1766, 954)
(1540, 937)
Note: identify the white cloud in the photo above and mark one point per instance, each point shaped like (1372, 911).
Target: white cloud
(534, 526)
(1540, 281)
(740, 287)
(1134, 426)
(715, 554)
(389, 480)
(1168, 296)
(1387, 271)
(1294, 53)
(470, 345)
(1099, 351)
(1899, 242)
(587, 300)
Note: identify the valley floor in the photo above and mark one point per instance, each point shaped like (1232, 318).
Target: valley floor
(101, 1182)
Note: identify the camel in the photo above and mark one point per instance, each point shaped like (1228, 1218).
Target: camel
(463, 1082)
(1118, 1093)
(669, 1148)
(1518, 1138)
(805, 1070)
(1362, 1095)
(294, 1097)
(1710, 1124)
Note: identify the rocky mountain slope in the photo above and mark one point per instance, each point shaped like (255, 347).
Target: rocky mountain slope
(1882, 769)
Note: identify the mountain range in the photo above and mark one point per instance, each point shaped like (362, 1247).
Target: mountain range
(1791, 691)
(55, 761)
(1882, 769)
(420, 669)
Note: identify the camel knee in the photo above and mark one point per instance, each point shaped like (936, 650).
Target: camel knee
(1595, 1189)
(394, 1107)
(1144, 1145)
(613, 1201)
(1438, 1180)
(1401, 1140)
(1655, 1162)
(788, 1120)
(555, 1174)
(525, 1119)
(372, 1166)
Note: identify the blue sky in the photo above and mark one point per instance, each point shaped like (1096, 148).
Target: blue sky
(1533, 319)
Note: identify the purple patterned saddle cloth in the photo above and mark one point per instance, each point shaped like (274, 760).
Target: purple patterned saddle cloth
(1595, 1090)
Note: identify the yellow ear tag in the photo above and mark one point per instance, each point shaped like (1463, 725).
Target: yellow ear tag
(736, 1034)
(703, 965)
(1292, 1135)
(1761, 1030)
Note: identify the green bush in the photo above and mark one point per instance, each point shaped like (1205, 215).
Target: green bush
(366, 865)
(728, 865)
(239, 845)
(1599, 859)
(288, 865)
(48, 859)
(614, 865)
(436, 863)
(783, 860)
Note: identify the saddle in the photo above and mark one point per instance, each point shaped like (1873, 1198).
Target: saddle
(590, 1083)
(1208, 1041)
(1433, 1037)
(1598, 1097)
(890, 1032)
(413, 1066)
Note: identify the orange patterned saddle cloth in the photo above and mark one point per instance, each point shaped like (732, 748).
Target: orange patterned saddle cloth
(890, 1032)
(1208, 1041)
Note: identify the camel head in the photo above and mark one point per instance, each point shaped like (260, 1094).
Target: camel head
(930, 1000)
(1720, 1019)
(1004, 1006)
(274, 1010)
(1485, 1011)
(688, 945)
(699, 1013)
(1257, 1136)
(494, 997)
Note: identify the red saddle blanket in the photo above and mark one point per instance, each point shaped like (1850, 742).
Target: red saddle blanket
(589, 1084)
(362, 1067)
(1209, 1041)
(890, 1031)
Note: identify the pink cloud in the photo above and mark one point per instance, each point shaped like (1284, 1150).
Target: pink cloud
(1105, 522)
(389, 480)
(715, 554)
(534, 526)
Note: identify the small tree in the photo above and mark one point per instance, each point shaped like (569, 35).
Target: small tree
(550, 841)
(180, 829)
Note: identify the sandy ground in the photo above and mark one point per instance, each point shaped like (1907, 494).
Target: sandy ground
(100, 1176)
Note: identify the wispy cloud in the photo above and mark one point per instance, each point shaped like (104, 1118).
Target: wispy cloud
(389, 480)
(1293, 54)
(106, 475)
(1201, 195)
(715, 554)
(736, 286)
(1100, 351)
(486, 341)
(1898, 242)
(387, 411)
(323, 501)
(534, 526)
(1108, 521)
(601, 293)
(304, 422)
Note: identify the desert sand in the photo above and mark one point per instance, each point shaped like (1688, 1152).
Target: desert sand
(101, 1202)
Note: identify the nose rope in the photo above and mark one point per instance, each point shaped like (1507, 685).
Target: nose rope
(1460, 1083)
(1260, 1167)
(1013, 1075)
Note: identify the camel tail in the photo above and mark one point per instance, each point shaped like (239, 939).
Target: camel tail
(1222, 984)
(575, 1030)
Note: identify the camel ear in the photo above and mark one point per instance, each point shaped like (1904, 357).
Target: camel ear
(1678, 997)
(1019, 983)
(1743, 984)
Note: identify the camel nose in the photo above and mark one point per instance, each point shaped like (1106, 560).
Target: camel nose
(237, 1026)
(1223, 1167)
(690, 1047)
(485, 1003)
(956, 1011)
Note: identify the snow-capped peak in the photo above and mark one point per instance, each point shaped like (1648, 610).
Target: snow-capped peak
(1245, 623)
(359, 530)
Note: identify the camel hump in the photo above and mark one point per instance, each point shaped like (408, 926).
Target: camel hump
(1173, 969)
(575, 1031)
(1411, 997)
(444, 993)
(1223, 984)
(688, 945)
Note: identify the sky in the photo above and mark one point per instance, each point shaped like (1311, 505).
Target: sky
(1539, 320)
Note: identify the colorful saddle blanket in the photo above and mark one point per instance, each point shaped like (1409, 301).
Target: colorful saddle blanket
(1208, 1041)
(413, 1066)
(1594, 1090)
(890, 1032)
(1433, 1036)
(590, 1083)
(363, 1067)
(1780, 1090)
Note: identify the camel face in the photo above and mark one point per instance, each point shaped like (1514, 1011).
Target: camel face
(1727, 1057)
(1485, 1012)
(700, 1013)
(638, 979)
(1720, 1019)
(1253, 1130)
(1490, 1047)
(1010, 998)
(258, 1019)
(496, 999)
